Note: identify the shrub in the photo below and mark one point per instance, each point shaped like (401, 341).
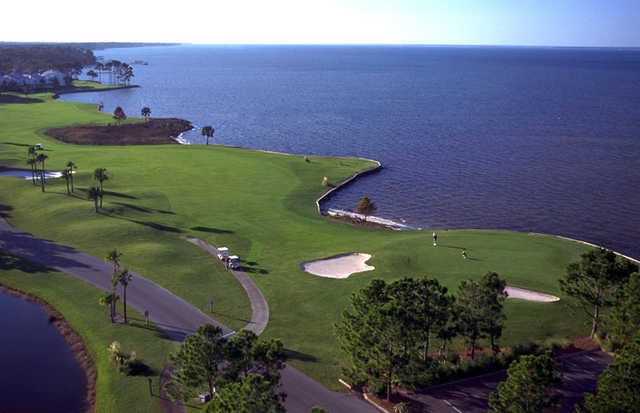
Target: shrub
(317, 409)
(401, 408)
(377, 387)
(306, 159)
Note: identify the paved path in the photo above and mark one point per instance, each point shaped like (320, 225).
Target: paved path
(169, 312)
(259, 306)
(580, 374)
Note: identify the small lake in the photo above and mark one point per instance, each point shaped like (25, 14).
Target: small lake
(39, 372)
(26, 174)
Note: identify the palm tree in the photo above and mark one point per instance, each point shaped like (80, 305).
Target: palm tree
(100, 68)
(145, 112)
(119, 115)
(66, 175)
(109, 299)
(123, 278)
(100, 175)
(114, 258)
(41, 158)
(32, 163)
(94, 193)
(71, 167)
(207, 131)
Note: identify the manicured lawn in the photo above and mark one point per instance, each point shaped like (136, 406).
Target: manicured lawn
(91, 84)
(261, 205)
(78, 302)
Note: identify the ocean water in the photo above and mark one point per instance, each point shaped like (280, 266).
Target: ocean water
(527, 139)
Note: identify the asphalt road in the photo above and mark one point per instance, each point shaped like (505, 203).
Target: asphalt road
(169, 312)
(580, 374)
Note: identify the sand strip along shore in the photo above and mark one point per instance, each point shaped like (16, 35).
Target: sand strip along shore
(523, 294)
(339, 266)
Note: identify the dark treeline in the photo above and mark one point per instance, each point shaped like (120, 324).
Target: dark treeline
(39, 58)
(400, 332)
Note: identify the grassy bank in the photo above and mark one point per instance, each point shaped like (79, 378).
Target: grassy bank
(261, 205)
(78, 302)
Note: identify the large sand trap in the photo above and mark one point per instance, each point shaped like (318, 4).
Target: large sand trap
(339, 266)
(521, 293)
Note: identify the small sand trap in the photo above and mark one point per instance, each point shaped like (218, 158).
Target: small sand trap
(521, 293)
(339, 266)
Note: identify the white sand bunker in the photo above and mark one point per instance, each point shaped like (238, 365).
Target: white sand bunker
(339, 266)
(521, 293)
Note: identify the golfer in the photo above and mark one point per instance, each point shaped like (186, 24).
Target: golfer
(435, 239)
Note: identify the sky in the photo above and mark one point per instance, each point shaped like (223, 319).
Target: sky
(583, 23)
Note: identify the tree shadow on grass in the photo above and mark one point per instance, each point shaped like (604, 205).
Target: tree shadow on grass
(254, 270)
(119, 195)
(211, 230)
(10, 262)
(295, 355)
(4, 210)
(157, 226)
(18, 99)
(17, 144)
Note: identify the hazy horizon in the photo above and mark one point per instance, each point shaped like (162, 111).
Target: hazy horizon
(542, 23)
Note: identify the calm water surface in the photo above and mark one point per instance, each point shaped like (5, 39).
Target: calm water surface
(39, 371)
(526, 139)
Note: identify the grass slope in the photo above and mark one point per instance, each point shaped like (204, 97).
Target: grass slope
(261, 205)
(78, 302)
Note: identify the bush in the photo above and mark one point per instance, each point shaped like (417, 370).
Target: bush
(401, 408)
(377, 387)
(317, 409)
(306, 159)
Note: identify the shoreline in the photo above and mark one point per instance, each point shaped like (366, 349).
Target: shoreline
(85, 89)
(348, 217)
(73, 339)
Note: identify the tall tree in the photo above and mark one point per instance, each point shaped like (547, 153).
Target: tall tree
(123, 278)
(198, 363)
(100, 175)
(432, 308)
(254, 393)
(494, 294)
(66, 175)
(109, 300)
(41, 159)
(145, 112)
(528, 386)
(32, 164)
(622, 323)
(366, 207)
(207, 131)
(71, 167)
(113, 257)
(471, 304)
(592, 281)
(94, 194)
(32, 156)
(618, 385)
(372, 336)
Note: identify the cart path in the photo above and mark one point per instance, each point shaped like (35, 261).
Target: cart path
(172, 314)
(259, 306)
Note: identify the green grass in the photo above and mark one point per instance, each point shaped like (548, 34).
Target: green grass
(261, 205)
(77, 301)
(92, 84)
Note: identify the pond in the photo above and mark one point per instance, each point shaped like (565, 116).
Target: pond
(26, 174)
(39, 372)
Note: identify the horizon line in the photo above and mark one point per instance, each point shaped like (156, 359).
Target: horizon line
(150, 43)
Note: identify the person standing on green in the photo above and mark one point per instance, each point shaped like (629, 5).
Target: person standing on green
(435, 239)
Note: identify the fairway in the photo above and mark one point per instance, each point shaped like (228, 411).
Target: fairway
(261, 206)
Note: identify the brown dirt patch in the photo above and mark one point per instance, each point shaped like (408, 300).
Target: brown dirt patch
(73, 339)
(153, 132)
